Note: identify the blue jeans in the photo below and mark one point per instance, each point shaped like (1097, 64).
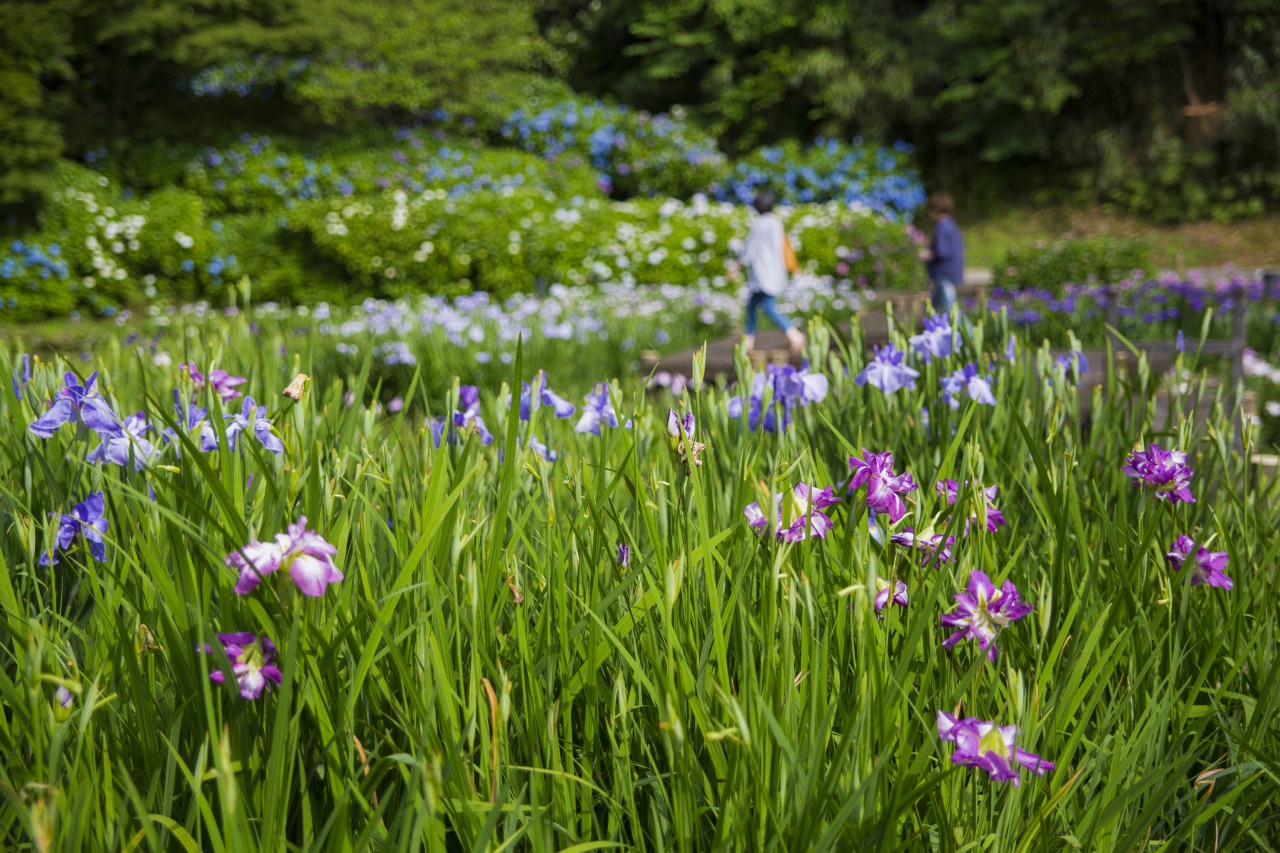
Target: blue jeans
(942, 295)
(769, 304)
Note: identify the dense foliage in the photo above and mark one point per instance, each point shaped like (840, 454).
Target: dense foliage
(581, 628)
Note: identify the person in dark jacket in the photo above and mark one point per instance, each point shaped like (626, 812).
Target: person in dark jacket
(944, 260)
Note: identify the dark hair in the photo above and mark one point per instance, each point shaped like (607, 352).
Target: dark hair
(941, 204)
(765, 201)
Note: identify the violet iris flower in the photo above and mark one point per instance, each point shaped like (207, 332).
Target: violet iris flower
(1207, 566)
(253, 662)
(938, 340)
(1166, 470)
(87, 519)
(304, 553)
(933, 550)
(680, 429)
(982, 610)
(1010, 351)
(624, 554)
(194, 417)
(787, 387)
(253, 417)
(598, 412)
(967, 380)
(464, 421)
(983, 744)
(22, 377)
(538, 394)
(64, 697)
(75, 399)
(543, 452)
(223, 383)
(884, 488)
(887, 372)
(995, 518)
(804, 506)
(895, 593)
(469, 398)
(122, 441)
(1065, 361)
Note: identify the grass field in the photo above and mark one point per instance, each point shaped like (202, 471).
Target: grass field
(485, 667)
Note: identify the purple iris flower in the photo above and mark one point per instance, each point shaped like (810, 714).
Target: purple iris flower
(884, 488)
(538, 394)
(64, 697)
(253, 417)
(75, 399)
(983, 744)
(543, 452)
(1207, 567)
(21, 378)
(895, 593)
(86, 520)
(449, 430)
(1166, 470)
(1010, 351)
(223, 383)
(887, 372)
(938, 340)
(253, 662)
(195, 417)
(624, 554)
(995, 518)
(967, 381)
(787, 388)
(598, 411)
(122, 441)
(982, 610)
(804, 506)
(469, 398)
(933, 550)
(1065, 361)
(1179, 343)
(304, 553)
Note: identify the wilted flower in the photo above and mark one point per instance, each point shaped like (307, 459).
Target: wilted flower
(598, 411)
(680, 429)
(884, 488)
(255, 418)
(887, 372)
(983, 744)
(120, 442)
(1166, 470)
(804, 507)
(86, 520)
(304, 553)
(938, 340)
(933, 549)
(75, 399)
(253, 662)
(982, 611)
(895, 593)
(967, 381)
(1207, 567)
(297, 387)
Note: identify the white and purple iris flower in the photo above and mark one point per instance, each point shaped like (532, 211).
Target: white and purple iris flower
(196, 417)
(968, 381)
(253, 417)
(122, 441)
(253, 662)
(222, 383)
(75, 400)
(887, 372)
(982, 611)
(890, 593)
(884, 488)
(87, 519)
(303, 553)
(1166, 470)
(938, 340)
(467, 419)
(796, 515)
(1207, 567)
(983, 744)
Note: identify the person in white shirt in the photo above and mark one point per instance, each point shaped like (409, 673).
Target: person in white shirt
(767, 277)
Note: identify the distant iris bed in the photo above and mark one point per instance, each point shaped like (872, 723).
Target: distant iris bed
(912, 604)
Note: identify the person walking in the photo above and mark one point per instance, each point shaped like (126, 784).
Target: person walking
(944, 260)
(765, 256)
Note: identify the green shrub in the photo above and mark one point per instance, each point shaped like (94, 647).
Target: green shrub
(1081, 260)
